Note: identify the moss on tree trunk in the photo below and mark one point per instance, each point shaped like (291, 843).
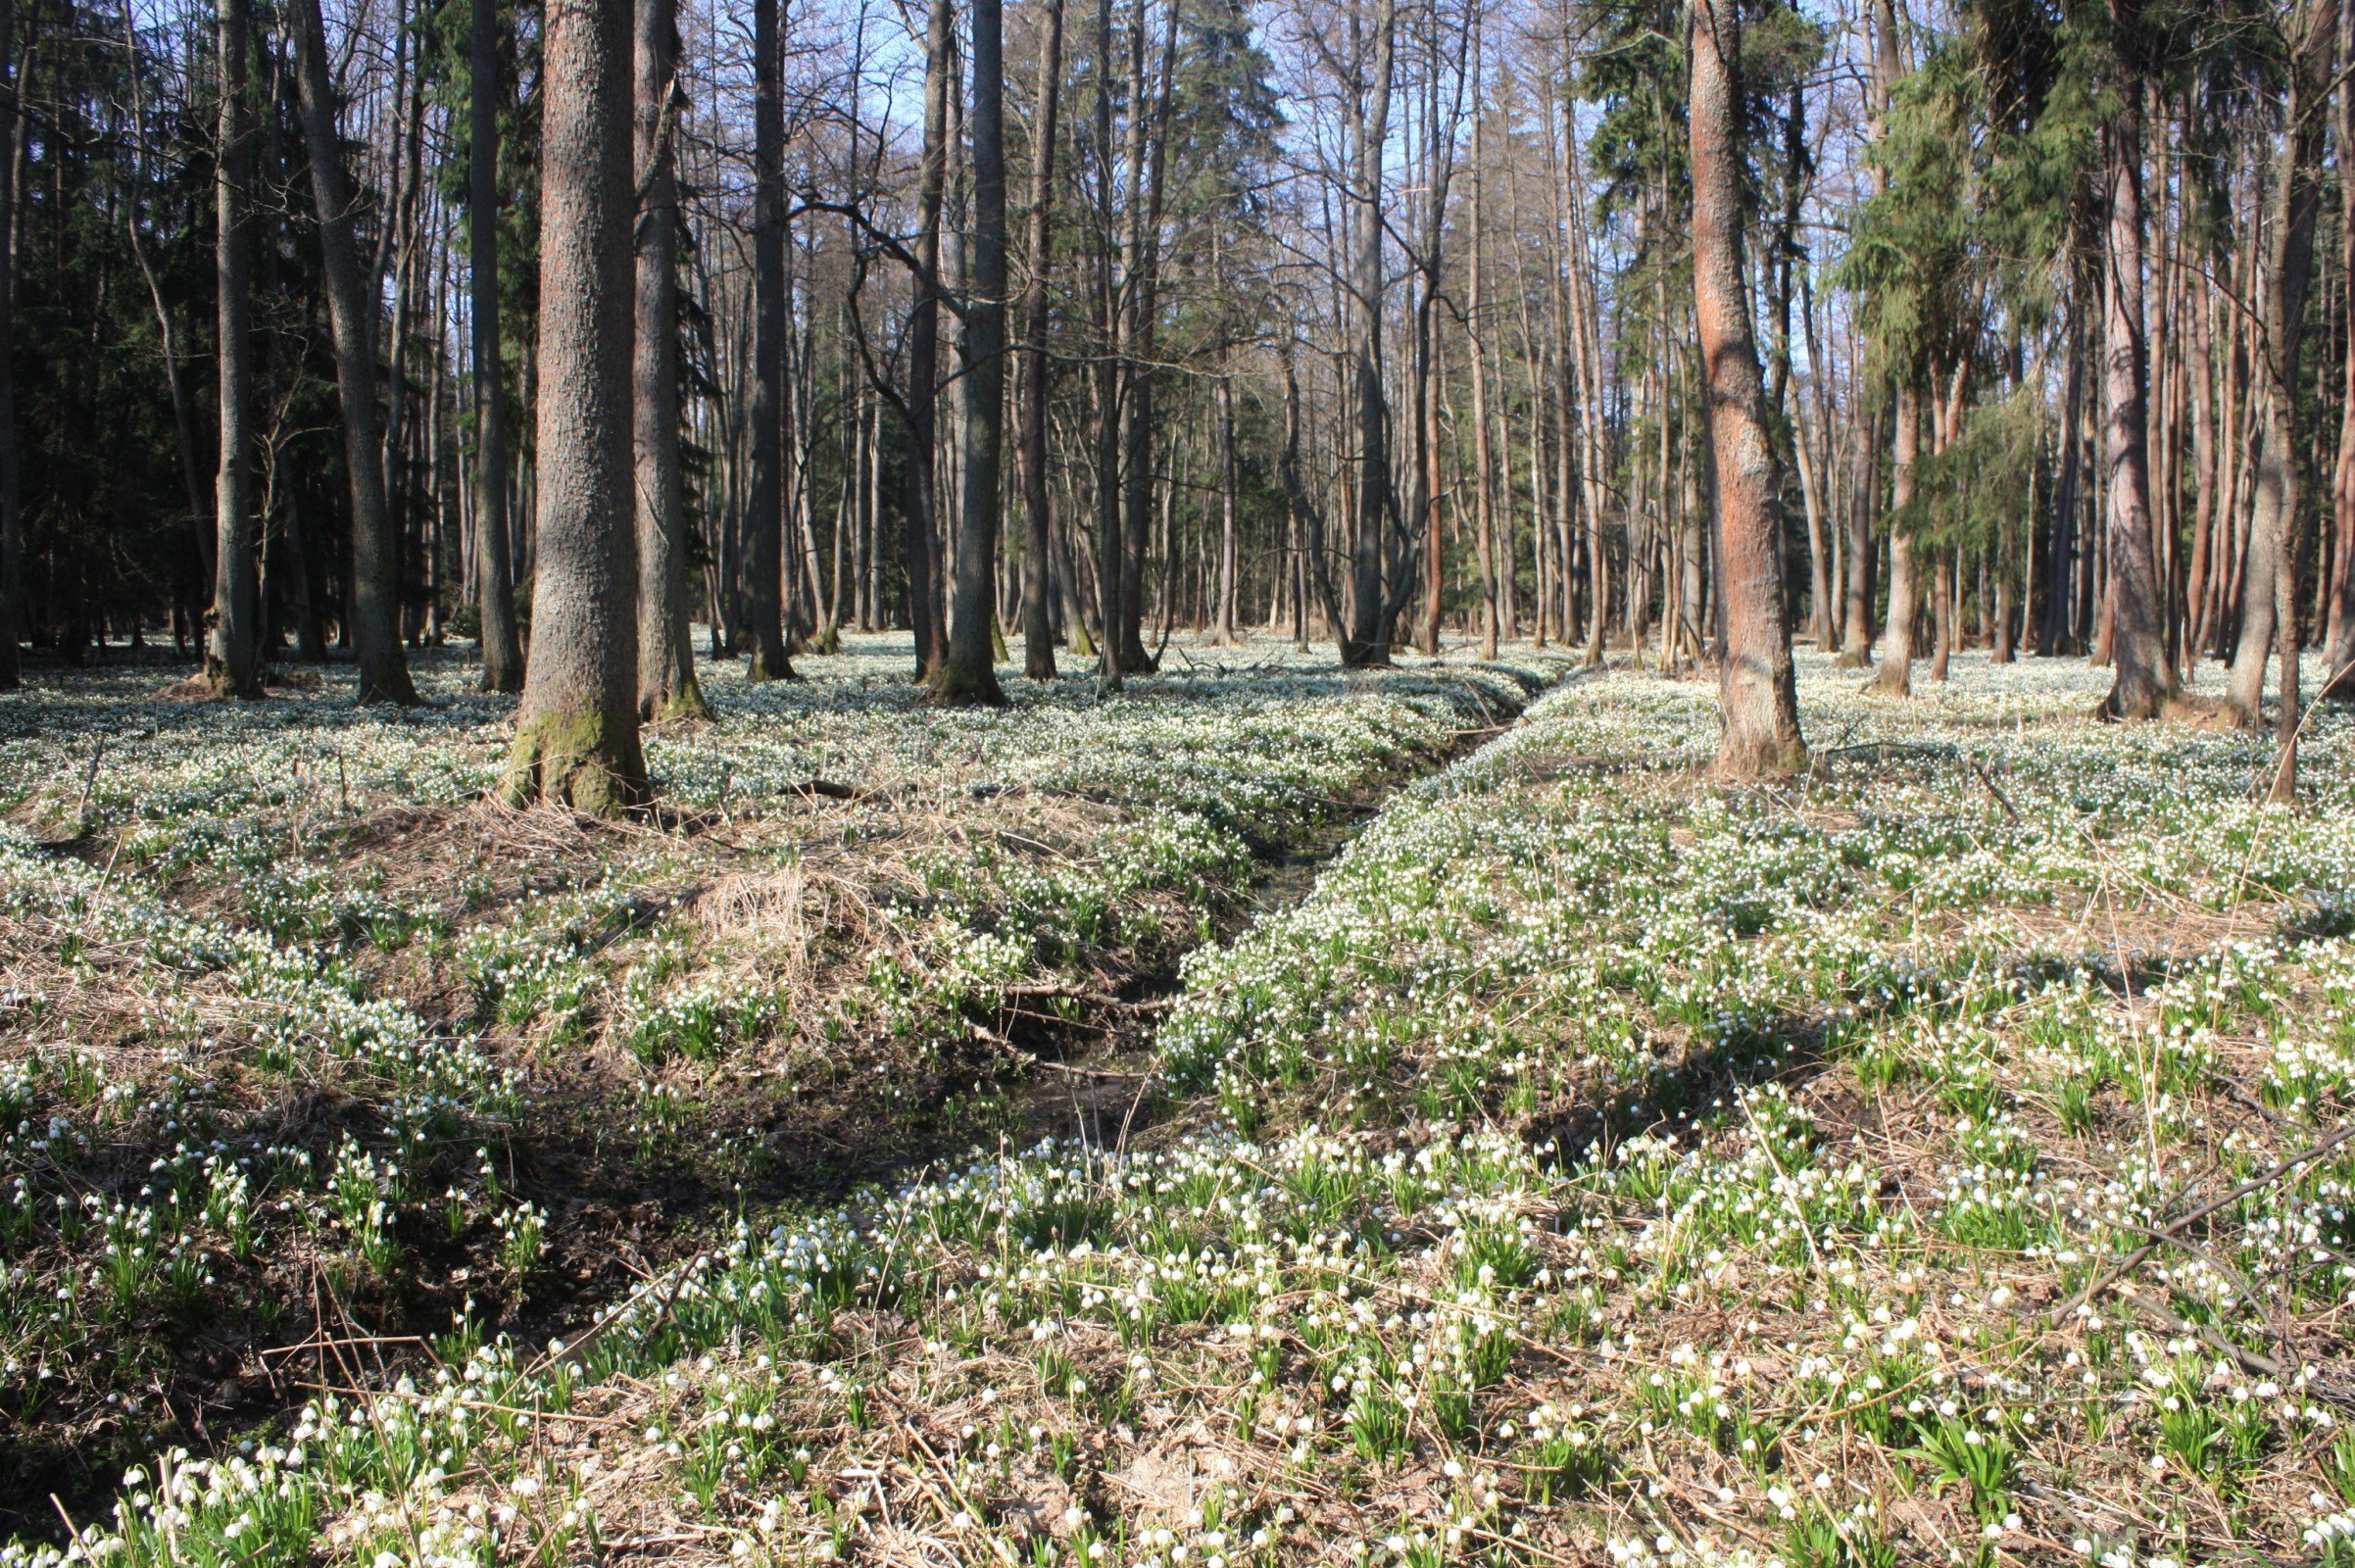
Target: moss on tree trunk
(575, 759)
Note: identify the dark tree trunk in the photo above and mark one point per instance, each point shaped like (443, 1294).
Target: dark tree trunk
(923, 350)
(494, 569)
(576, 730)
(967, 675)
(375, 633)
(1368, 641)
(765, 507)
(232, 646)
(1039, 578)
(11, 521)
(666, 683)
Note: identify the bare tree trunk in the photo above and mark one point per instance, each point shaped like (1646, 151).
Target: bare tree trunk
(666, 683)
(232, 646)
(375, 633)
(968, 675)
(1896, 674)
(494, 569)
(1582, 379)
(2339, 636)
(1483, 459)
(1308, 519)
(923, 350)
(1756, 687)
(1368, 642)
(1039, 579)
(1823, 580)
(1148, 154)
(2269, 593)
(1227, 632)
(12, 518)
(2145, 678)
(2198, 336)
(1856, 646)
(576, 730)
(767, 658)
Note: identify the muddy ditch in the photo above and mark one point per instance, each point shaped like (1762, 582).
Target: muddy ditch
(1070, 1054)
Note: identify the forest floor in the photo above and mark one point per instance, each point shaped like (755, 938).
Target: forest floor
(1019, 1137)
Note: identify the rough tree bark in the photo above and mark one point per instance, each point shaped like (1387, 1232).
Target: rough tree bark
(2339, 626)
(11, 521)
(494, 564)
(666, 683)
(2145, 679)
(1856, 632)
(1227, 633)
(232, 644)
(1483, 459)
(1756, 687)
(376, 631)
(1148, 146)
(765, 503)
(2272, 555)
(1039, 578)
(923, 350)
(576, 730)
(967, 675)
(1368, 642)
(1896, 674)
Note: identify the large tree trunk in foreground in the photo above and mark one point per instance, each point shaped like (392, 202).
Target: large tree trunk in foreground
(2339, 626)
(967, 675)
(11, 521)
(10, 507)
(2280, 472)
(232, 646)
(666, 683)
(1039, 575)
(576, 730)
(494, 565)
(2145, 677)
(376, 631)
(764, 504)
(1756, 687)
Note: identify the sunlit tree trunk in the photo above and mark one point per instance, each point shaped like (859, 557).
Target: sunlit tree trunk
(1756, 686)
(2144, 682)
(2267, 594)
(1483, 457)
(576, 730)
(232, 646)
(1227, 633)
(2339, 636)
(1896, 674)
